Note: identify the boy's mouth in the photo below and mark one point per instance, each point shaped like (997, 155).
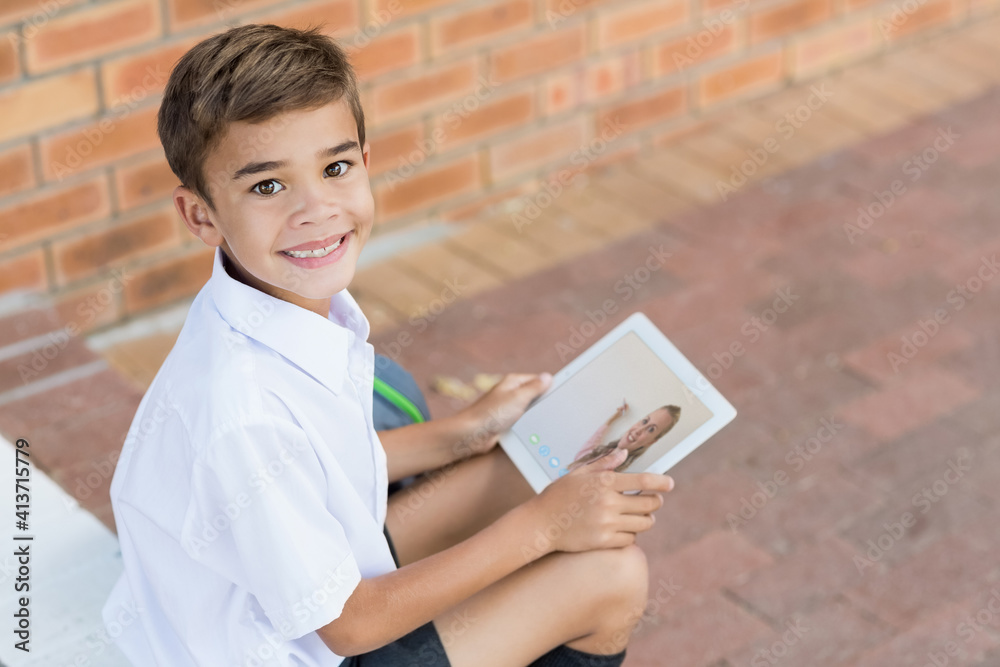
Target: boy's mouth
(322, 251)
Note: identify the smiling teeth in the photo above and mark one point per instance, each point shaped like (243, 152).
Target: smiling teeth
(319, 252)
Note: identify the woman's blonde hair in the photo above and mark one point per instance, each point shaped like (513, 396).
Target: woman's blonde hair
(601, 450)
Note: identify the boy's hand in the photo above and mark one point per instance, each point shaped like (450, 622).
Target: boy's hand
(586, 509)
(496, 410)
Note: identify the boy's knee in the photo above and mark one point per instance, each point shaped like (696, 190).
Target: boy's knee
(633, 571)
(624, 573)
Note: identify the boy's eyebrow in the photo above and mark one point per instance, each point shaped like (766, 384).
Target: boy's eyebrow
(257, 167)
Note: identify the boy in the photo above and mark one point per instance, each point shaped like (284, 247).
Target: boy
(250, 497)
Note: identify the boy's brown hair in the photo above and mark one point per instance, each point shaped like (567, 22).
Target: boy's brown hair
(249, 73)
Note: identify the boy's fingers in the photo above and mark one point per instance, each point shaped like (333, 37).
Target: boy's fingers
(643, 503)
(609, 461)
(643, 481)
(606, 462)
(523, 379)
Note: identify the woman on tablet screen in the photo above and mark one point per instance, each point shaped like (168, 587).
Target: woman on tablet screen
(636, 440)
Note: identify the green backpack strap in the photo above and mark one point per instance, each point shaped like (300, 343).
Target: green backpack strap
(392, 395)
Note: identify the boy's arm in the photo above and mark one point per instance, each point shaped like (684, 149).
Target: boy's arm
(417, 448)
(384, 608)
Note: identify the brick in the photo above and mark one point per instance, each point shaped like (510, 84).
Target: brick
(424, 91)
(89, 254)
(25, 271)
(945, 623)
(78, 422)
(399, 8)
(169, 280)
(641, 112)
(143, 182)
(813, 573)
(897, 23)
(92, 32)
(951, 569)
(93, 305)
(694, 49)
(553, 143)
(46, 358)
(484, 121)
(562, 92)
(336, 18)
(558, 11)
(53, 210)
(396, 287)
(112, 138)
(908, 403)
(392, 150)
(723, 9)
(788, 18)
(749, 77)
(496, 249)
(133, 77)
(543, 53)
(427, 187)
(826, 637)
(606, 79)
(10, 67)
(438, 264)
(46, 102)
(637, 22)
(832, 48)
(17, 170)
(700, 633)
(475, 26)
(386, 53)
(718, 559)
(482, 205)
(31, 14)
(28, 323)
(187, 13)
(873, 360)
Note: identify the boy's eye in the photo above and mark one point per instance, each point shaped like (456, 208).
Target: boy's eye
(266, 188)
(336, 170)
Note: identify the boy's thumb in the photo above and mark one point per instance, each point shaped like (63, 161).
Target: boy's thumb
(609, 461)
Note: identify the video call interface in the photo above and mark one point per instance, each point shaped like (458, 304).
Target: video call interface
(557, 428)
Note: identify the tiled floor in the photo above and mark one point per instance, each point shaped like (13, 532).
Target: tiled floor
(877, 212)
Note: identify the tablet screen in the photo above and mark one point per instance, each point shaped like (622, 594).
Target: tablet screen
(567, 427)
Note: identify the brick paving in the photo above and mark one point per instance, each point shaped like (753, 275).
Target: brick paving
(891, 339)
(918, 433)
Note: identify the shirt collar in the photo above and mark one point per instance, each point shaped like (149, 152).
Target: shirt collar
(318, 346)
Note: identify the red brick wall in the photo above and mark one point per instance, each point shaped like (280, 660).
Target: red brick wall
(468, 103)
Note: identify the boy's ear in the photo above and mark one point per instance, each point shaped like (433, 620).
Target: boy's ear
(194, 213)
(366, 154)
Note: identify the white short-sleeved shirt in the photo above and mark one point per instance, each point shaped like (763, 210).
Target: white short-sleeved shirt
(250, 496)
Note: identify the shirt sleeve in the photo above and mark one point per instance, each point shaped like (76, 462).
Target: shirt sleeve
(258, 515)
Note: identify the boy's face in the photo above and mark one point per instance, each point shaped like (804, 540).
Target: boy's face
(287, 191)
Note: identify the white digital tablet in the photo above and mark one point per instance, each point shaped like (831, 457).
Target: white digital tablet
(632, 390)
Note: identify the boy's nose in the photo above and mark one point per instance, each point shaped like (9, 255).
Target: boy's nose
(314, 204)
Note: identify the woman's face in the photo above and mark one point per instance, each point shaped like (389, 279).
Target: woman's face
(645, 431)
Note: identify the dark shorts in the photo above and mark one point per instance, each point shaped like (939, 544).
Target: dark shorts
(423, 648)
(420, 648)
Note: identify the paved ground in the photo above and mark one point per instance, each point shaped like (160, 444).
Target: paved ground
(871, 398)
(864, 441)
